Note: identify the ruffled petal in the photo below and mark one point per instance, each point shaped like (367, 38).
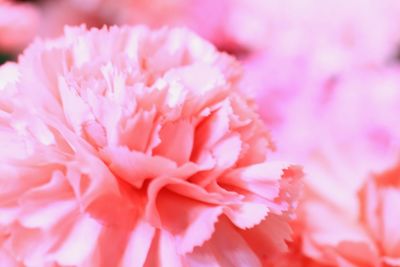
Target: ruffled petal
(226, 248)
(191, 225)
(176, 141)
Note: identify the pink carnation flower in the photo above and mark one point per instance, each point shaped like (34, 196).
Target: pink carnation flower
(18, 25)
(126, 147)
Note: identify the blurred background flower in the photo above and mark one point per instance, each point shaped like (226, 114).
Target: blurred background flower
(19, 24)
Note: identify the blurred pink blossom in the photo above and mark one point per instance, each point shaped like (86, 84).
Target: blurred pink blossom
(333, 31)
(129, 147)
(19, 24)
(55, 15)
(297, 48)
(343, 134)
(370, 236)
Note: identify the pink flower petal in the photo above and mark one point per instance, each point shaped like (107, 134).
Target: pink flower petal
(176, 141)
(226, 248)
(138, 245)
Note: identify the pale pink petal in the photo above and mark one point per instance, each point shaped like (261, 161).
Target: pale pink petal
(390, 219)
(231, 143)
(136, 167)
(226, 247)
(246, 214)
(261, 179)
(163, 251)
(138, 130)
(191, 225)
(138, 245)
(80, 243)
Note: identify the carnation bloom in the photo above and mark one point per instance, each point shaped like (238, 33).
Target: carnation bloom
(18, 25)
(127, 147)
